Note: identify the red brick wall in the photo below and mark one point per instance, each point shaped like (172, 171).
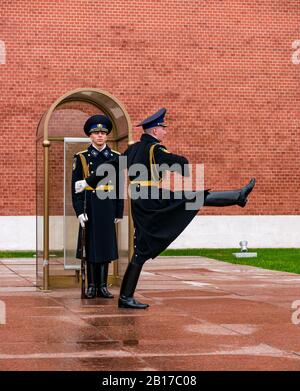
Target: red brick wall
(222, 68)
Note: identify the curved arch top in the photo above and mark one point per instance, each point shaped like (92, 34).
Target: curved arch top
(106, 102)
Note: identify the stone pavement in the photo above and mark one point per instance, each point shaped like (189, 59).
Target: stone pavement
(204, 315)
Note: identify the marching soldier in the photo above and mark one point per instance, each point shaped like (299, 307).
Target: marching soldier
(158, 221)
(102, 212)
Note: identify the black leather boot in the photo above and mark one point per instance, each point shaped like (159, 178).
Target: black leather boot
(129, 283)
(102, 290)
(245, 191)
(91, 292)
(230, 197)
(91, 271)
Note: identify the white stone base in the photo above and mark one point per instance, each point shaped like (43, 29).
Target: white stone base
(19, 232)
(227, 231)
(245, 255)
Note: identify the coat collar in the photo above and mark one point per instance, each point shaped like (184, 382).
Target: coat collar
(95, 153)
(147, 138)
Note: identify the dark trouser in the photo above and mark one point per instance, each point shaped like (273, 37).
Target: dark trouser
(222, 198)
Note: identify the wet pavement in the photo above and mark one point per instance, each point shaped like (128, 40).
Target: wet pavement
(203, 315)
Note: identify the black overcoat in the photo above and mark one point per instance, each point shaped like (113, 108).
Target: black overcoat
(157, 221)
(101, 241)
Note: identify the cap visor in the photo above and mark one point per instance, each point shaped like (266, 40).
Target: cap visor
(99, 130)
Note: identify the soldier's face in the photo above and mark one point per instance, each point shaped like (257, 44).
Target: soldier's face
(98, 138)
(160, 132)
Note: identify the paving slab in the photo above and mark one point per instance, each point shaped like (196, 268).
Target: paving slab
(203, 315)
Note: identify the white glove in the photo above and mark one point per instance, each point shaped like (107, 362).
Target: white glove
(80, 186)
(117, 220)
(83, 219)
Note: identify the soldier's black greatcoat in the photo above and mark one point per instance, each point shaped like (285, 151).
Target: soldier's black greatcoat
(158, 221)
(101, 241)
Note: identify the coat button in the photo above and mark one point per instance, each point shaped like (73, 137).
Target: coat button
(92, 172)
(89, 155)
(90, 162)
(94, 191)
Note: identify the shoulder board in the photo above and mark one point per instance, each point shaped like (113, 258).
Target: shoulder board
(78, 153)
(119, 153)
(162, 148)
(154, 145)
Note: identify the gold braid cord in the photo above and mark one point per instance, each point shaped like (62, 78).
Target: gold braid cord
(85, 168)
(154, 171)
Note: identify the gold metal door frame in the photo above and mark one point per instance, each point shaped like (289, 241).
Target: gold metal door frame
(87, 95)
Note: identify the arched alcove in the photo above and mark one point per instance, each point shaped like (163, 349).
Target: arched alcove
(60, 135)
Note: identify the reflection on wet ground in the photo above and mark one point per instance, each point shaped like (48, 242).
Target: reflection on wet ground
(203, 315)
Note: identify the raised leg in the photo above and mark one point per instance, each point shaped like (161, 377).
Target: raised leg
(230, 197)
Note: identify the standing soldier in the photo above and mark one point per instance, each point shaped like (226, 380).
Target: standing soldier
(158, 221)
(104, 207)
